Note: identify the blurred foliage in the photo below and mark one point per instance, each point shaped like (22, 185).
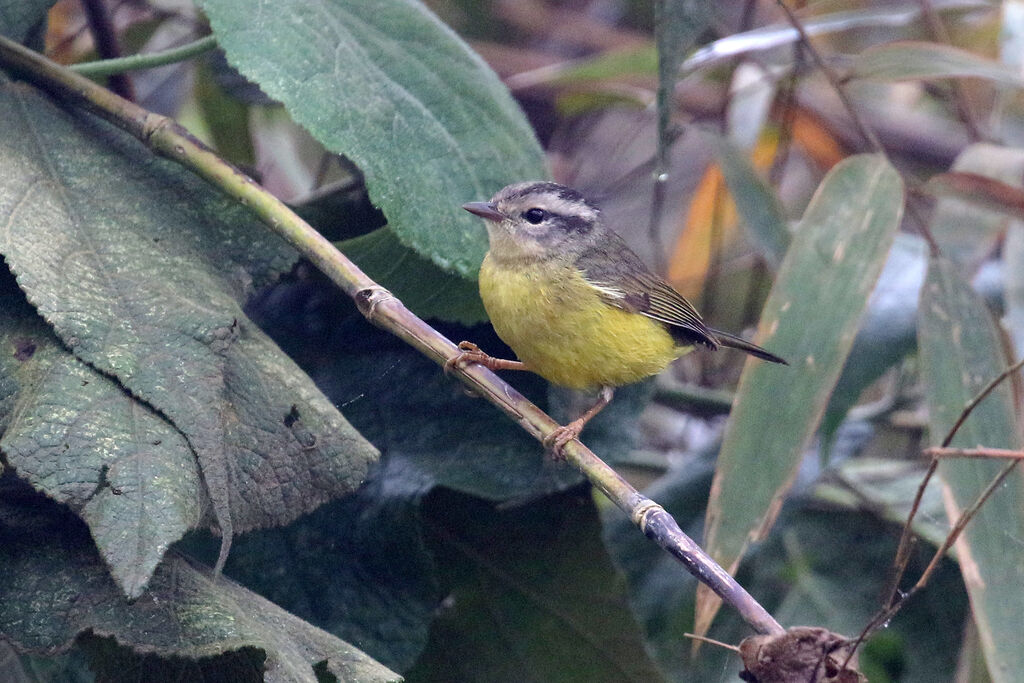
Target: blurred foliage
(144, 395)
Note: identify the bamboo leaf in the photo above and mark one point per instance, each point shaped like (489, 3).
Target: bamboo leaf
(967, 228)
(961, 352)
(912, 60)
(810, 318)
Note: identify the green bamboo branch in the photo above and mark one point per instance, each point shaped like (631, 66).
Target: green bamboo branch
(107, 67)
(169, 139)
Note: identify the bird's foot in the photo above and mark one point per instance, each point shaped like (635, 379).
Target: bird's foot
(555, 442)
(471, 353)
(468, 353)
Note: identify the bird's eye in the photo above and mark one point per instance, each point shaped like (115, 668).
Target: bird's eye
(535, 216)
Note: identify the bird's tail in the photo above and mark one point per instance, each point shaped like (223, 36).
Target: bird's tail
(732, 341)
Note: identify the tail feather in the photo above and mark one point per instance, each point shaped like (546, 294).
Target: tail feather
(732, 341)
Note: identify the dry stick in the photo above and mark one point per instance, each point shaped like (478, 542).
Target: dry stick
(167, 138)
(805, 40)
(887, 613)
(963, 103)
(891, 605)
(712, 641)
(105, 38)
(979, 452)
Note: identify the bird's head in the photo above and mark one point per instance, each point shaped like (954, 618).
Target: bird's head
(538, 220)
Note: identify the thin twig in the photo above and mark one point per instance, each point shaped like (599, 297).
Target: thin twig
(963, 103)
(891, 605)
(865, 131)
(965, 517)
(887, 613)
(903, 550)
(712, 641)
(167, 138)
(105, 37)
(979, 452)
(109, 67)
(973, 403)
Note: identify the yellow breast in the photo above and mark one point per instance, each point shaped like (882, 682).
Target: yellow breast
(559, 327)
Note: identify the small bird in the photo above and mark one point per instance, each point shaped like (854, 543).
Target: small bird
(577, 305)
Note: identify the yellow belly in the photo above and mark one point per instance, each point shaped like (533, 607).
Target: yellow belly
(559, 327)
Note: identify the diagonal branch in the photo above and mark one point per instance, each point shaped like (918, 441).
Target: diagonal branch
(167, 138)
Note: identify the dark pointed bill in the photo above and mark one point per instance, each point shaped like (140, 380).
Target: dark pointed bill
(484, 210)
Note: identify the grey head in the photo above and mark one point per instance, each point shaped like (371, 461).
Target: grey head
(538, 220)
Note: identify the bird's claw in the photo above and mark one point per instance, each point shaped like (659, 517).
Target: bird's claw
(555, 442)
(468, 353)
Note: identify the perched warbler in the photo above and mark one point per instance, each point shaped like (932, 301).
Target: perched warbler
(577, 305)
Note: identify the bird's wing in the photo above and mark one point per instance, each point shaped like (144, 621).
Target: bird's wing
(625, 282)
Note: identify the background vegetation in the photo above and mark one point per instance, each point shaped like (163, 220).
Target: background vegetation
(170, 367)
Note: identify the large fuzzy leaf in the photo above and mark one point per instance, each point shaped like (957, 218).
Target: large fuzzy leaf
(19, 18)
(78, 437)
(56, 588)
(396, 91)
(141, 269)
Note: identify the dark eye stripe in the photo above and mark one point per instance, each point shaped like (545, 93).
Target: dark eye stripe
(577, 224)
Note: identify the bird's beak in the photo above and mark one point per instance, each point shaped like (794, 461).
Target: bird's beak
(484, 210)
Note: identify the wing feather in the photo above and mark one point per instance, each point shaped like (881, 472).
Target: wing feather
(624, 281)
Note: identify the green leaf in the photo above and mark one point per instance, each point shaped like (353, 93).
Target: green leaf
(638, 60)
(357, 567)
(810, 318)
(887, 333)
(888, 486)
(532, 590)
(226, 117)
(760, 208)
(426, 289)
(76, 436)
(141, 269)
(56, 588)
(429, 291)
(19, 19)
(397, 92)
(961, 352)
(965, 231)
(1013, 282)
(912, 60)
